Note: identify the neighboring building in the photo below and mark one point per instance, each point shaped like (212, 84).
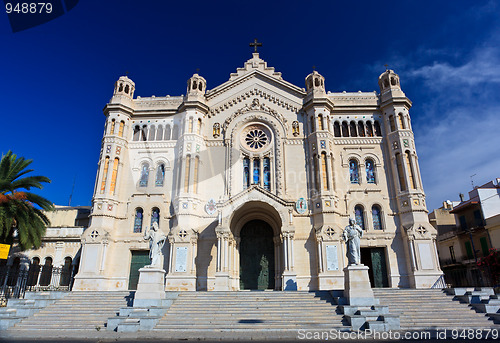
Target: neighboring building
(254, 181)
(467, 230)
(61, 244)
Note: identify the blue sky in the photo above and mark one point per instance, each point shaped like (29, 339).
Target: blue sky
(56, 78)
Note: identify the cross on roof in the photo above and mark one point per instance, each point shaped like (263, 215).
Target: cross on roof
(386, 66)
(255, 44)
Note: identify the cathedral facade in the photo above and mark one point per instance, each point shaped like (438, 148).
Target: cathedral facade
(253, 182)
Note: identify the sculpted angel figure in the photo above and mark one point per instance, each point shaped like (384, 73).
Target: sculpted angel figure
(351, 235)
(156, 242)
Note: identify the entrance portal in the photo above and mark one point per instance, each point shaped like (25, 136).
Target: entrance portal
(374, 258)
(256, 256)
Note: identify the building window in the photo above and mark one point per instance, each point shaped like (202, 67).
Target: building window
(159, 133)
(256, 171)
(370, 171)
(392, 124)
(409, 166)
(345, 129)
(361, 129)
(353, 171)
(104, 174)
(359, 216)
(246, 172)
(369, 129)
(336, 129)
(352, 129)
(122, 127)
(468, 249)
(401, 121)
(137, 133)
(138, 220)
(198, 128)
(167, 133)
(320, 122)
(144, 133)
(267, 173)
(190, 129)
(378, 131)
(256, 139)
(114, 176)
(186, 173)
(112, 128)
(452, 254)
(152, 132)
(175, 133)
(401, 177)
(155, 216)
(160, 175)
(324, 173)
(143, 182)
(195, 176)
(377, 217)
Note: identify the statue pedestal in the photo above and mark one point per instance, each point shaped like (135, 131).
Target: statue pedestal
(357, 288)
(151, 287)
(221, 282)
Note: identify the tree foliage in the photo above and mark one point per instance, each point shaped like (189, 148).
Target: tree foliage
(491, 265)
(21, 211)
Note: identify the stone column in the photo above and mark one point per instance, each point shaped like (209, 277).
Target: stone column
(222, 272)
(289, 282)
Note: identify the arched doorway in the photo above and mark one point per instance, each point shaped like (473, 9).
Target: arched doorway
(256, 256)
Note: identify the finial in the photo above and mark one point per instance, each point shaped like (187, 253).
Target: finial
(255, 44)
(197, 70)
(314, 68)
(386, 67)
(126, 73)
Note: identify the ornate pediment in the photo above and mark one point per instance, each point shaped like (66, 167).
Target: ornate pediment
(255, 106)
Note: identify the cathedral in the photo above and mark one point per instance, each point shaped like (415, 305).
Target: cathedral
(253, 181)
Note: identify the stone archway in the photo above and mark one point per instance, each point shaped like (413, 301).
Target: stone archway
(257, 256)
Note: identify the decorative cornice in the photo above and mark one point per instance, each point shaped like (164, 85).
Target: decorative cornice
(357, 141)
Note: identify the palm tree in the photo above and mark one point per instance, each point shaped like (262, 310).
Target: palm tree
(20, 211)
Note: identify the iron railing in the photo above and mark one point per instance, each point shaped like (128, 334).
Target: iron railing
(14, 281)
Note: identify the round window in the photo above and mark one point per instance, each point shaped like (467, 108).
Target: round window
(255, 137)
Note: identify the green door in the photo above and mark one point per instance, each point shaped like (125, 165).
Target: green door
(140, 258)
(379, 268)
(256, 256)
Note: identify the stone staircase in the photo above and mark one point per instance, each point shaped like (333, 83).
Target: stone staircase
(76, 311)
(427, 309)
(247, 311)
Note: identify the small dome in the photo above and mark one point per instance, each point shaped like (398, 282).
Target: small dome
(315, 81)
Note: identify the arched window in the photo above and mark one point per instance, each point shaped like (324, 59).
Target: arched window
(159, 133)
(409, 167)
(190, 129)
(46, 272)
(152, 132)
(34, 271)
(127, 89)
(377, 217)
(186, 173)
(320, 122)
(401, 177)
(168, 133)
(143, 182)
(345, 129)
(216, 130)
(13, 272)
(401, 121)
(112, 128)
(315, 169)
(246, 172)
(198, 128)
(66, 272)
(155, 216)
(113, 176)
(352, 130)
(370, 171)
(378, 131)
(138, 219)
(359, 215)
(361, 129)
(392, 124)
(104, 174)
(195, 174)
(137, 133)
(312, 124)
(353, 171)
(144, 133)
(122, 127)
(267, 173)
(160, 175)
(175, 133)
(369, 129)
(256, 171)
(324, 173)
(336, 129)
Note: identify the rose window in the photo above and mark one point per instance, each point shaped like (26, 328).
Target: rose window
(256, 139)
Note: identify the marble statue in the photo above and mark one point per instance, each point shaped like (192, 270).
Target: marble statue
(351, 235)
(156, 242)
